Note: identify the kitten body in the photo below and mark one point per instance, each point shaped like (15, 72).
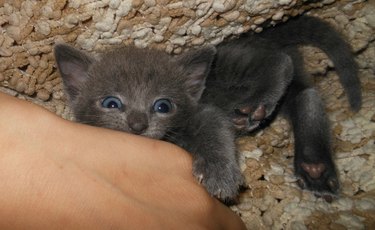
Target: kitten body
(198, 99)
(259, 61)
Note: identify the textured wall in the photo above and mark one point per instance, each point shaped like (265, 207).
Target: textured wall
(30, 28)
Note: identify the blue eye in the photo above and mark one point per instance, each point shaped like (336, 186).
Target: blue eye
(112, 103)
(162, 106)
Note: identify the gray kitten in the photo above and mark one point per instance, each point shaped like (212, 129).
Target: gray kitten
(150, 93)
(201, 99)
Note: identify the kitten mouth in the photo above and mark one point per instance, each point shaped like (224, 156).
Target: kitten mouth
(152, 135)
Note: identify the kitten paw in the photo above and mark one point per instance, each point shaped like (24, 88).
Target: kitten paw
(247, 118)
(314, 170)
(320, 178)
(220, 180)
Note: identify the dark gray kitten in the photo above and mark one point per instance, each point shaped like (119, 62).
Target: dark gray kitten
(247, 80)
(150, 93)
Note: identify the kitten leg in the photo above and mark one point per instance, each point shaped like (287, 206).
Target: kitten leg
(211, 140)
(313, 154)
(269, 82)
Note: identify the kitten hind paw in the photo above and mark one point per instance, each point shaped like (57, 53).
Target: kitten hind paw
(319, 178)
(314, 170)
(247, 118)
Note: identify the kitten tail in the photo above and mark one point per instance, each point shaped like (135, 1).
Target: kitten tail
(307, 30)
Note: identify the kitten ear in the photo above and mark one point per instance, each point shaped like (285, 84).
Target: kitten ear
(73, 65)
(197, 65)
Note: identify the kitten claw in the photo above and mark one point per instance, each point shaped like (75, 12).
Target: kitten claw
(333, 184)
(200, 178)
(301, 183)
(218, 194)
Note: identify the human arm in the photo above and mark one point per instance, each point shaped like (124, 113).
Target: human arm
(59, 174)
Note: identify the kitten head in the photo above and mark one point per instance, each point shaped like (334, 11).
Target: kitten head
(141, 91)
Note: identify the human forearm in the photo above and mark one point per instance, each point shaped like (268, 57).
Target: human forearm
(59, 174)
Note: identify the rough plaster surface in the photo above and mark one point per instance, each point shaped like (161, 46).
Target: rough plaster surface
(273, 200)
(30, 28)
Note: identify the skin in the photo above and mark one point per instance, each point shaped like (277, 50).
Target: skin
(57, 174)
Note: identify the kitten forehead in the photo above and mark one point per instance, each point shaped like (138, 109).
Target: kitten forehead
(137, 61)
(140, 66)
(141, 75)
